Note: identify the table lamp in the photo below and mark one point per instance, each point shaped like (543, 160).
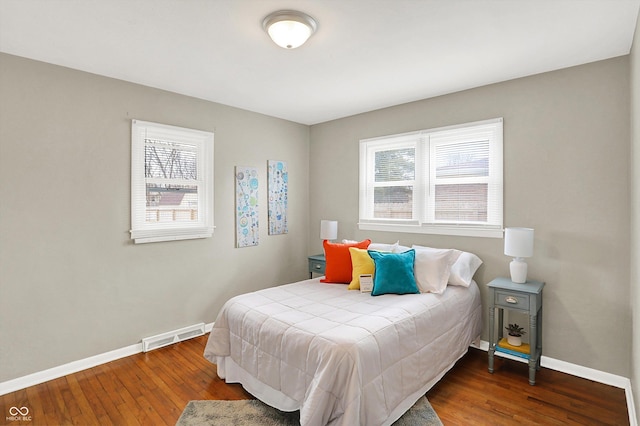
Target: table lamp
(518, 243)
(328, 229)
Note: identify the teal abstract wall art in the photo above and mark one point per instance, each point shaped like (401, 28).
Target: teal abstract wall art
(278, 183)
(247, 229)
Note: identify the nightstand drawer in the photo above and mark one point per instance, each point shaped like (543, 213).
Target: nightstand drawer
(512, 300)
(316, 266)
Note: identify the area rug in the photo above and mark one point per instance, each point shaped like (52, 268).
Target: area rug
(253, 412)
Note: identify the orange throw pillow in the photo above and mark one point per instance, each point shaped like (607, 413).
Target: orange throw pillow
(338, 267)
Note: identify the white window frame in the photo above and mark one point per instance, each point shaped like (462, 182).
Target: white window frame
(425, 142)
(202, 143)
(407, 140)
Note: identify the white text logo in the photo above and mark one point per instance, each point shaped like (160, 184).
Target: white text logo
(18, 414)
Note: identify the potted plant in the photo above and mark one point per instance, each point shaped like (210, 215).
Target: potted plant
(515, 334)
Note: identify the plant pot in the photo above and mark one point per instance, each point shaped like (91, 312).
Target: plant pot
(514, 340)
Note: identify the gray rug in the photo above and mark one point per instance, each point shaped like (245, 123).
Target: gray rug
(254, 412)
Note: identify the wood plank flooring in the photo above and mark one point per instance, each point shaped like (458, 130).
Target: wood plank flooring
(153, 389)
(469, 394)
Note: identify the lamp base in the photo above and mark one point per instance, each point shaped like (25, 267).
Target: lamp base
(518, 268)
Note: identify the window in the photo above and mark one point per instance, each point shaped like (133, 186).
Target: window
(438, 181)
(171, 183)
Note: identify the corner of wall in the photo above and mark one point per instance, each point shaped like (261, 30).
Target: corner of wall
(635, 214)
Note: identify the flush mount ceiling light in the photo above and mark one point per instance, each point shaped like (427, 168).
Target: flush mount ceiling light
(288, 28)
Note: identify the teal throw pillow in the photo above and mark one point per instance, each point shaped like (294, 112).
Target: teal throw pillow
(393, 273)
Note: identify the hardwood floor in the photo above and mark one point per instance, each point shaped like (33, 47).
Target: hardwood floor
(469, 394)
(153, 389)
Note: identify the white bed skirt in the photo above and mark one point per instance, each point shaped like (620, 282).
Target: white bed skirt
(233, 373)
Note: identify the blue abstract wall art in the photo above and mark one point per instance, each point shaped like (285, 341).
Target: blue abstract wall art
(278, 183)
(247, 229)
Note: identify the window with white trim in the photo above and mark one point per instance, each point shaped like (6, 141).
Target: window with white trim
(171, 183)
(439, 181)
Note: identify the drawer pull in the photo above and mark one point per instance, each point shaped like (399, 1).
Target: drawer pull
(511, 299)
(317, 266)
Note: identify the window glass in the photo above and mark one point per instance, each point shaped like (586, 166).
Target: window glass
(395, 165)
(393, 202)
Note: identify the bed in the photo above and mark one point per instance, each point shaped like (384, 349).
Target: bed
(342, 357)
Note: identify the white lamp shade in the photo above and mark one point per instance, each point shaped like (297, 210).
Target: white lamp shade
(328, 229)
(289, 34)
(518, 242)
(288, 28)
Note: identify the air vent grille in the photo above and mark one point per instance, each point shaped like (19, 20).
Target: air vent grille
(171, 337)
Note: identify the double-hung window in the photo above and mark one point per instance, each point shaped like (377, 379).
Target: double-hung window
(171, 183)
(439, 181)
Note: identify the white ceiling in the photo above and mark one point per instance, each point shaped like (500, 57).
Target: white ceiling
(365, 55)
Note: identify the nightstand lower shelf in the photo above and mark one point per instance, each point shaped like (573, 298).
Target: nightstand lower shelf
(522, 351)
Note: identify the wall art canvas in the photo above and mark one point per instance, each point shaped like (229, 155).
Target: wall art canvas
(247, 230)
(278, 182)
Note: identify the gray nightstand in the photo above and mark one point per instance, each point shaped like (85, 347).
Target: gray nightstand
(317, 264)
(526, 298)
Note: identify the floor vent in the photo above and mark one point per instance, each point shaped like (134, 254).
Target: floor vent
(171, 337)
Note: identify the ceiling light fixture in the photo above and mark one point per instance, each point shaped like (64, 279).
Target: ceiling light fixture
(288, 28)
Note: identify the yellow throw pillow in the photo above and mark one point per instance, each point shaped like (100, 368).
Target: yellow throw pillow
(362, 263)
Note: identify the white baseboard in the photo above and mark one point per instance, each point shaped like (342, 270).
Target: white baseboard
(65, 369)
(631, 405)
(584, 373)
(72, 367)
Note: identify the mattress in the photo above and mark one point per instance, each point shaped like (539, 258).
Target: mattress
(342, 357)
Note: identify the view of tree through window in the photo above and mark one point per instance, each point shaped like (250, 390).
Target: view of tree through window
(394, 169)
(169, 160)
(395, 164)
(166, 165)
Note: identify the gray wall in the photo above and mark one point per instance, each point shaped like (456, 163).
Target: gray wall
(566, 174)
(72, 284)
(635, 214)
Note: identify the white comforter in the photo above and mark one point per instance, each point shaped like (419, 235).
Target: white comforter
(342, 357)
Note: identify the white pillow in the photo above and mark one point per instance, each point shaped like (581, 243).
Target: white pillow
(402, 249)
(391, 248)
(432, 268)
(464, 268)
